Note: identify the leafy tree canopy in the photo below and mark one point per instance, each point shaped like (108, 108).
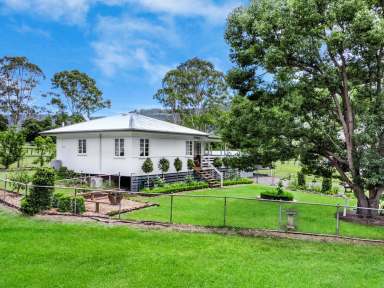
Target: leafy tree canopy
(314, 69)
(80, 94)
(195, 93)
(11, 147)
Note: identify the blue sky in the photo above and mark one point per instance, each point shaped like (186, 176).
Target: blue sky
(126, 45)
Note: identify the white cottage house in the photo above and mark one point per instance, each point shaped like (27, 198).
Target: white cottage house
(119, 145)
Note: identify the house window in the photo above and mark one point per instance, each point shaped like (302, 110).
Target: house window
(119, 147)
(144, 147)
(82, 147)
(189, 145)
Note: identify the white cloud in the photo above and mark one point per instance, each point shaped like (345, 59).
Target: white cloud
(71, 11)
(75, 11)
(26, 29)
(126, 44)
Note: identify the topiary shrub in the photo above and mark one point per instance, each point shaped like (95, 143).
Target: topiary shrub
(301, 179)
(217, 162)
(163, 165)
(27, 208)
(326, 185)
(277, 194)
(147, 168)
(40, 197)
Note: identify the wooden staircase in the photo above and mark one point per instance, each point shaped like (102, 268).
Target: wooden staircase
(207, 173)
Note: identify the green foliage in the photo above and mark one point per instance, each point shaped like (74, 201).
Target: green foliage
(279, 188)
(11, 147)
(227, 162)
(275, 195)
(178, 164)
(27, 207)
(323, 99)
(66, 203)
(177, 187)
(188, 179)
(194, 92)
(65, 173)
(164, 165)
(147, 166)
(45, 149)
(158, 182)
(217, 162)
(31, 127)
(80, 92)
(229, 182)
(3, 123)
(20, 179)
(40, 196)
(190, 164)
(326, 185)
(18, 79)
(301, 179)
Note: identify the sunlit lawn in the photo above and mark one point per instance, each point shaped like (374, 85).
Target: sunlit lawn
(251, 213)
(43, 254)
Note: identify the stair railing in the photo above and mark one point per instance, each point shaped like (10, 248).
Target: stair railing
(217, 174)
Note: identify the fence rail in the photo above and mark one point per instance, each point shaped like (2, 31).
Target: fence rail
(236, 211)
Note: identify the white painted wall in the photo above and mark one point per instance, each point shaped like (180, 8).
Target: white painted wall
(160, 145)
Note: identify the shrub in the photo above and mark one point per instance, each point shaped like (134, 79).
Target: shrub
(147, 168)
(27, 207)
(226, 162)
(65, 173)
(158, 182)
(190, 164)
(301, 179)
(217, 162)
(163, 165)
(188, 179)
(326, 185)
(237, 181)
(20, 180)
(177, 187)
(273, 195)
(40, 196)
(178, 165)
(66, 203)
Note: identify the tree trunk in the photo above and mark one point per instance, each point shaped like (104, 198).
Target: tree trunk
(370, 201)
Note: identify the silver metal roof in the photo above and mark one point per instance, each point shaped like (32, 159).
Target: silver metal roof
(126, 122)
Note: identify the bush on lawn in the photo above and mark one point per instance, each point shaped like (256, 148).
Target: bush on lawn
(65, 173)
(229, 182)
(277, 194)
(40, 196)
(66, 203)
(177, 187)
(20, 179)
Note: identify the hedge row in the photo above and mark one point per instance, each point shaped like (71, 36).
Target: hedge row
(177, 187)
(274, 195)
(237, 181)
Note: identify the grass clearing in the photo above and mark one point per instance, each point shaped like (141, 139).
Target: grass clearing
(251, 214)
(42, 254)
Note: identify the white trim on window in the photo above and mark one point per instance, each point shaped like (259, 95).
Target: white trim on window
(144, 147)
(189, 148)
(119, 147)
(82, 146)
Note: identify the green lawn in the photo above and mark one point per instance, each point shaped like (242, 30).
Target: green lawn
(46, 254)
(250, 213)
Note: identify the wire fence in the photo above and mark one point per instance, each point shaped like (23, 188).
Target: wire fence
(339, 219)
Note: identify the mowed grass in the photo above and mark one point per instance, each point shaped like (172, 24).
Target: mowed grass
(244, 213)
(47, 254)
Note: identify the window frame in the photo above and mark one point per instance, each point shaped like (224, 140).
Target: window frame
(82, 147)
(119, 143)
(144, 147)
(189, 148)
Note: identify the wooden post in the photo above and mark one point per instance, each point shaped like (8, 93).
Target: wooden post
(337, 220)
(225, 211)
(171, 212)
(97, 207)
(75, 201)
(119, 181)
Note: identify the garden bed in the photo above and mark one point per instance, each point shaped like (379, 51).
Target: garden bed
(354, 218)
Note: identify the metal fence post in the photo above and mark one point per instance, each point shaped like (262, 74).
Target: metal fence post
(171, 212)
(120, 209)
(225, 211)
(337, 220)
(280, 216)
(75, 200)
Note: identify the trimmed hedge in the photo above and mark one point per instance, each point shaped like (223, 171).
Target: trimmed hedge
(274, 195)
(66, 203)
(177, 187)
(237, 181)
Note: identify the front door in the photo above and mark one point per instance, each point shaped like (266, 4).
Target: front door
(197, 153)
